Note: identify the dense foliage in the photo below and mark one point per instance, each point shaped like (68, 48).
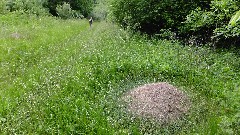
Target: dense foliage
(61, 8)
(203, 21)
(65, 11)
(83, 6)
(151, 16)
(101, 9)
(29, 6)
(213, 24)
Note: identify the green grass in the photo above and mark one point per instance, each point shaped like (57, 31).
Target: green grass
(61, 77)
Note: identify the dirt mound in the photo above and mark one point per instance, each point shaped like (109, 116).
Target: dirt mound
(160, 101)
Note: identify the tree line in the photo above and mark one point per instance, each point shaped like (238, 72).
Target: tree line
(62, 8)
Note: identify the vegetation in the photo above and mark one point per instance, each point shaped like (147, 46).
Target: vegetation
(204, 21)
(69, 80)
(151, 16)
(82, 6)
(30, 6)
(59, 76)
(214, 23)
(65, 12)
(61, 8)
(101, 10)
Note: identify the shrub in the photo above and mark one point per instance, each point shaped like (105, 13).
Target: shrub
(235, 19)
(43, 7)
(29, 6)
(100, 11)
(65, 11)
(213, 24)
(3, 7)
(227, 34)
(151, 16)
(230, 32)
(81, 6)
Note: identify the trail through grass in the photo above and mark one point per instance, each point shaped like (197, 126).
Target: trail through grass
(61, 77)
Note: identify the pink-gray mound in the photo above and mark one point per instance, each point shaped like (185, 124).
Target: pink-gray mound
(160, 101)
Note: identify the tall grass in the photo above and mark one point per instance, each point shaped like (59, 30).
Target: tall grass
(61, 77)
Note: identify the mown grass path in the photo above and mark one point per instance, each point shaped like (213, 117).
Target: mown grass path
(33, 65)
(62, 77)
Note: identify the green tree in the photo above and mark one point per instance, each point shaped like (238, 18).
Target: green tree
(152, 15)
(27, 6)
(101, 9)
(82, 6)
(213, 24)
(66, 12)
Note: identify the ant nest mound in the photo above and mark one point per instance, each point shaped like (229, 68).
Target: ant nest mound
(160, 101)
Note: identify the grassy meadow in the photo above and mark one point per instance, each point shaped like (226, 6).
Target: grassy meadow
(62, 77)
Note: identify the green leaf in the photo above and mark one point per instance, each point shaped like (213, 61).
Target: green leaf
(235, 18)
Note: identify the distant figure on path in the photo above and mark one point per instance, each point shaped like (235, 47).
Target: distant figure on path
(90, 21)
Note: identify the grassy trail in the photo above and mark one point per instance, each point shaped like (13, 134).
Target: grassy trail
(61, 77)
(23, 58)
(33, 66)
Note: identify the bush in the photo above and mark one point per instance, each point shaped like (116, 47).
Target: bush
(100, 10)
(227, 34)
(213, 24)
(43, 7)
(230, 32)
(80, 6)
(83, 6)
(65, 11)
(29, 6)
(151, 16)
(197, 21)
(235, 19)
(3, 7)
